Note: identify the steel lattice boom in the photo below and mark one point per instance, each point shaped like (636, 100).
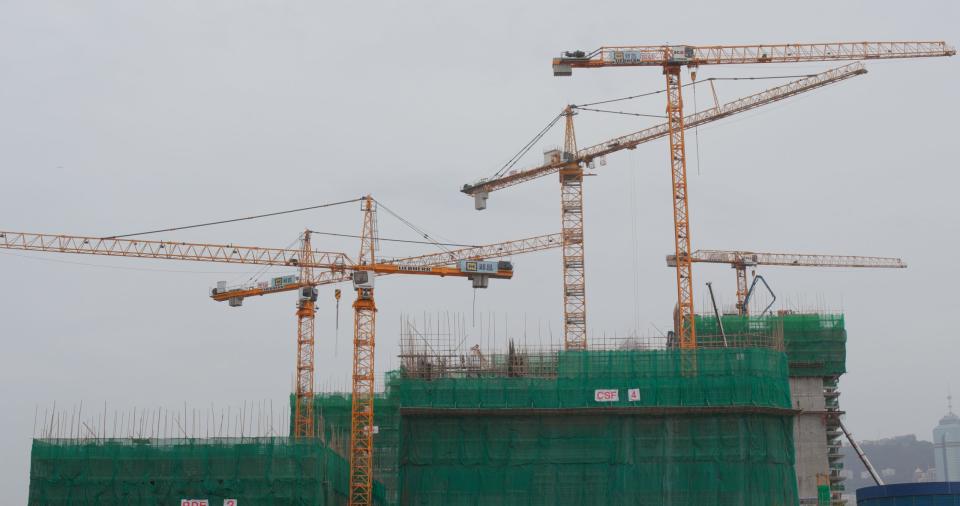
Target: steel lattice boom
(168, 250)
(659, 56)
(749, 258)
(740, 260)
(632, 140)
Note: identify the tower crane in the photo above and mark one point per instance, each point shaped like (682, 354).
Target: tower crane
(740, 260)
(468, 263)
(315, 268)
(672, 58)
(570, 163)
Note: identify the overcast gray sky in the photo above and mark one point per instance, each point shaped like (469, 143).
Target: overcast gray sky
(126, 116)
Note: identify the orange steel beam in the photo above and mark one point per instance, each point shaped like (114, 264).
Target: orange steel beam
(632, 140)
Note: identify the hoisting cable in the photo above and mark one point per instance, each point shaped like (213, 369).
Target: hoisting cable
(696, 129)
(411, 241)
(263, 270)
(232, 220)
(579, 108)
(587, 107)
(621, 99)
(526, 148)
(413, 227)
(692, 83)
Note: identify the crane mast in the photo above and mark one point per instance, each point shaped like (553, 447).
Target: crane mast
(686, 330)
(364, 334)
(571, 209)
(672, 59)
(306, 310)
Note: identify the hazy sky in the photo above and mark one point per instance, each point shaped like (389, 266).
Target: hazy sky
(125, 116)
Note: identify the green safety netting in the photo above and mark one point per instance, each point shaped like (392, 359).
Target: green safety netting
(823, 495)
(332, 425)
(664, 378)
(609, 459)
(492, 440)
(816, 344)
(260, 471)
(539, 441)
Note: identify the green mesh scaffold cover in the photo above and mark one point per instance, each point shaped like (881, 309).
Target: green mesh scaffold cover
(332, 424)
(816, 344)
(255, 471)
(719, 433)
(714, 377)
(598, 458)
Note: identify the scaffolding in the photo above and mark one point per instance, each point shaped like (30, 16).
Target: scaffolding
(622, 422)
(145, 471)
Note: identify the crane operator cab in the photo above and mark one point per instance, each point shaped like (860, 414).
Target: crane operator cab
(307, 294)
(363, 284)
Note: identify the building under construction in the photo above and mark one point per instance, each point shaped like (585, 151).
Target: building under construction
(743, 419)
(724, 410)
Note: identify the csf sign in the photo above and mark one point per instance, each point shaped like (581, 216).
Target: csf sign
(606, 395)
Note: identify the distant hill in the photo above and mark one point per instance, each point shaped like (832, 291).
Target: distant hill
(901, 454)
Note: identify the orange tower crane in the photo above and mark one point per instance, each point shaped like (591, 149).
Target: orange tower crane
(741, 260)
(570, 163)
(436, 264)
(317, 267)
(469, 264)
(671, 59)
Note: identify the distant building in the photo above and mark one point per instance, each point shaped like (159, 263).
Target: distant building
(921, 476)
(946, 446)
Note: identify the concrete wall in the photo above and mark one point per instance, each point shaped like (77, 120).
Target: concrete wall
(809, 434)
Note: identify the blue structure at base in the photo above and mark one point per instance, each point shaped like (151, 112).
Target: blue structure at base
(937, 493)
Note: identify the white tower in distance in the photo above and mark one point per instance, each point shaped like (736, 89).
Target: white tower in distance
(946, 445)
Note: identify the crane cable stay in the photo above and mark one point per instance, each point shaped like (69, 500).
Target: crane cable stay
(589, 107)
(569, 165)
